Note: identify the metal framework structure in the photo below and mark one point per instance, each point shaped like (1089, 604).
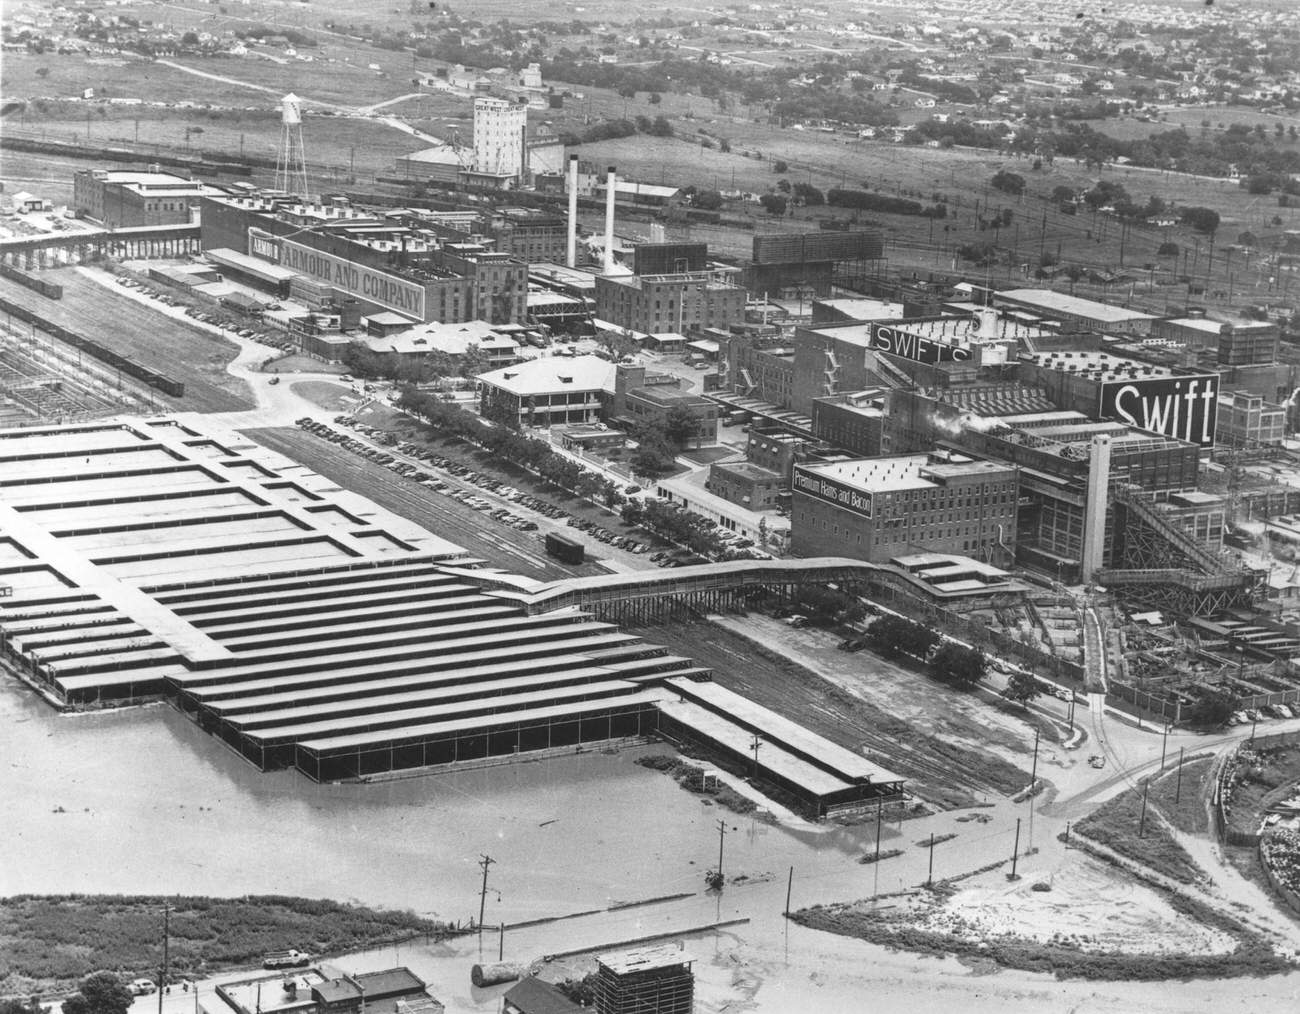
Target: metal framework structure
(1165, 568)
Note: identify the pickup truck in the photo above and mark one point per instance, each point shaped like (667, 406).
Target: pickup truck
(286, 959)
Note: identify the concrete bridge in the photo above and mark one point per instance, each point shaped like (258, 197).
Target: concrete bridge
(147, 241)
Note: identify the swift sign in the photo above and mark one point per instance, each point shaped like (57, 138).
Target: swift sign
(1184, 408)
(833, 492)
(904, 345)
(355, 279)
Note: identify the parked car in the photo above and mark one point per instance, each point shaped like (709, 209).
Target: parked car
(143, 987)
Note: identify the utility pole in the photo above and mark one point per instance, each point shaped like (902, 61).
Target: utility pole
(485, 861)
(1178, 786)
(880, 813)
(1015, 850)
(929, 877)
(1164, 739)
(754, 746)
(1033, 780)
(162, 978)
(789, 886)
(1142, 821)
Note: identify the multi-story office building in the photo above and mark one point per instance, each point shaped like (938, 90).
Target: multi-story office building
(1247, 420)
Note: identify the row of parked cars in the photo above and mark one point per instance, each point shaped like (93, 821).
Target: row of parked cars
(409, 471)
(1265, 712)
(261, 337)
(603, 534)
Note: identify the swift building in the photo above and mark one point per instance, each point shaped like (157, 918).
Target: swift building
(878, 508)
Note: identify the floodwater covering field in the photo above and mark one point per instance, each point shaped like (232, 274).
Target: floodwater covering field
(141, 801)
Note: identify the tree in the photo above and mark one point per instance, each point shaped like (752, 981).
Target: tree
(655, 98)
(1021, 688)
(708, 200)
(1168, 250)
(1062, 194)
(1200, 219)
(958, 665)
(680, 426)
(809, 195)
(99, 993)
(1009, 182)
(13, 1005)
(892, 636)
(773, 204)
(1213, 709)
(661, 127)
(780, 166)
(474, 361)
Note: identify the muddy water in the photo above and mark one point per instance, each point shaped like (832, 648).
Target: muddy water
(171, 809)
(141, 801)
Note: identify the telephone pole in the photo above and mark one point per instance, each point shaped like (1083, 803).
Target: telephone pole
(755, 745)
(162, 977)
(485, 861)
(722, 833)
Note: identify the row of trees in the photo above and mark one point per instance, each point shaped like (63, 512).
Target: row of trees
(685, 528)
(363, 362)
(510, 445)
(951, 663)
(863, 200)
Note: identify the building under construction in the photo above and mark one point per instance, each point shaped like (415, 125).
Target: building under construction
(647, 980)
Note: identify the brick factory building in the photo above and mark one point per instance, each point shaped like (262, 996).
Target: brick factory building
(380, 262)
(878, 508)
(125, 198)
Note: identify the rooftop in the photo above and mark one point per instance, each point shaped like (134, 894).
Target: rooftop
(643, 959)
(902, 472)
(553, 375)
(1075, 306)
(1099, 366)
(866, 309)
(453, 339)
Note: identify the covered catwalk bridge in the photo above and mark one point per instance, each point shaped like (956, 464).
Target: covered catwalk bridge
(655, 596)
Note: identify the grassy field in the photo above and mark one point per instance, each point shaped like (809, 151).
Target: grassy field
(47, 943)
(1116, 824)
(1184, 805)
(864, 922)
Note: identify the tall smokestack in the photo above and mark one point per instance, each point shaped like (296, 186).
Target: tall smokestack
(573, 211)
(1094, 511)
(610, 183)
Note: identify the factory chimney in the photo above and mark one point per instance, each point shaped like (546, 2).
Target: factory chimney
(573, 212)
(610, 183)
(1094, 512)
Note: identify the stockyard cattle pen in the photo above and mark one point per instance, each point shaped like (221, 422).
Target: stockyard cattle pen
(305, 628)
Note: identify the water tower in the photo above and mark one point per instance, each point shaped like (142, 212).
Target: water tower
(291, 161)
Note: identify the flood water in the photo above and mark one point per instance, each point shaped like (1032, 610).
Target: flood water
(172, 810)
(141, 801)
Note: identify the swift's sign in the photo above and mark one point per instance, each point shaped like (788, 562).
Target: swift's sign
(905, 345)
(373, 286)
(1184, 408)
(833, 492)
